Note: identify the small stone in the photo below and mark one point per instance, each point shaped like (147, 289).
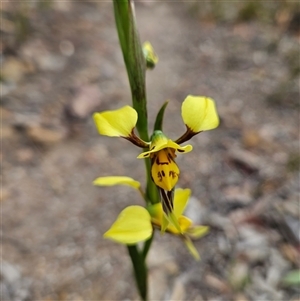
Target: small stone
(237, 194)
(51, 62)
(4, 195)
(239, 275)
(217, 283)
(245, 160)
(250, 138)
(66, 48)
(85, 102)
(158, 284)
(291, 253)
(7, 132)
(178, 291)
(240, 297)
(25, 155)
(13, 285)
(253, 245)
(13, 69)
(44, 135)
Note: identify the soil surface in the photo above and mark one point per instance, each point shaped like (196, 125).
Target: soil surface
(60, 63)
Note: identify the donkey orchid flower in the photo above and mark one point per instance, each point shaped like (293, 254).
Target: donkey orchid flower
(198, 114)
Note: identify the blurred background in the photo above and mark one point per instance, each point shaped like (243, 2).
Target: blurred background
(60, 62)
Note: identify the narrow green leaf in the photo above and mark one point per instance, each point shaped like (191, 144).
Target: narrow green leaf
(160, 117)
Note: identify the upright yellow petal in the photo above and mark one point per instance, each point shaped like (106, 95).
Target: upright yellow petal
(199, 113)
(132, 226)
(114, 180)
(117, 123)
(181, 198)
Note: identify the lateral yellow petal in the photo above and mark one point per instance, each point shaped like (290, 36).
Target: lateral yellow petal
(199, 113)
(132, 226)
(181, 198)
(197, 231)
(114, 180)
(117, 123)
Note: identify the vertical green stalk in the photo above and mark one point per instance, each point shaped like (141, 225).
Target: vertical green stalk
(136, 69)
(140, 270)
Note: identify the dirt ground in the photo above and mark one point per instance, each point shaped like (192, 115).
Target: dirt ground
(61, 62)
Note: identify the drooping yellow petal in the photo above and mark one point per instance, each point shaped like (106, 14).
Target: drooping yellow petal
(199, 113)
(114, 180)
(117, 123)
(189, 244)
(181, 198)
(164, 170)
(160, 141)
(132, 226)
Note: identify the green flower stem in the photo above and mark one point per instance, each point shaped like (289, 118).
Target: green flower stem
(147, 245)
(152, 193)
(140, 270)
(136, 69)
(134, 61)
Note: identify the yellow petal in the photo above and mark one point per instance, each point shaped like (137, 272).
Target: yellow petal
(159, 219)
(189, 244)
(160, 141)
(164, 170)
(199, 113)
(117, 123)
(197, 231)
(132, 226)
(111, 181)
(173, 222)
(181, 198)
(183, 222)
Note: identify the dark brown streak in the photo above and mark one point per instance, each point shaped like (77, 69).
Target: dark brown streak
(167, 202)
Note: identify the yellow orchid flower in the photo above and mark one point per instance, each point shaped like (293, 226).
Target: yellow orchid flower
(164, 170)
(134, 223)
(198, 114)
